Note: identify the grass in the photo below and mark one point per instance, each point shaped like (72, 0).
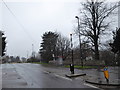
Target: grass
(80, 67)
(40, 63)
(67, 66)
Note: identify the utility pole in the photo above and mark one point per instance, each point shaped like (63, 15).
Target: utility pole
(71, 48)
(32, 50)
(72, 65)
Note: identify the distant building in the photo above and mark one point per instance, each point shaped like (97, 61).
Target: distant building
(24, 59)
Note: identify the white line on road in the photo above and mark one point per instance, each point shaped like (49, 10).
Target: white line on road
(92, 86)
(63, 77)
(58, 76)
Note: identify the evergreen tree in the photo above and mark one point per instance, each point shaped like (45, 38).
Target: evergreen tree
(48, 46)
(116, 44)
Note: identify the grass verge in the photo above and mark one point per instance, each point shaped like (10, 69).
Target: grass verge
(84, 67)
(40, 63)
(67, 66)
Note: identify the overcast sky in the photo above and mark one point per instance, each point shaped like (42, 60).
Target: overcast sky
(29, 20)
(36, 18)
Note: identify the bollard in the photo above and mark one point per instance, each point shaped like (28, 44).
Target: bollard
(72, 68)
(106, 74)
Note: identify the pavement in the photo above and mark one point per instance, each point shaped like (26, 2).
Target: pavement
(91, 76)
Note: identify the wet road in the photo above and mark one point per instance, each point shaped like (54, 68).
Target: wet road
(34, 76)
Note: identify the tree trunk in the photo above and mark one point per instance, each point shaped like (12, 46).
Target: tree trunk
(96, 50)
(96, 53)
(118, 59)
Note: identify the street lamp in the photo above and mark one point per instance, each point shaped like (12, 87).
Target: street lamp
(79, 41)
(72, 65)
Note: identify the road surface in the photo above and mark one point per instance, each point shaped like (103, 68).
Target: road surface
(34, 76)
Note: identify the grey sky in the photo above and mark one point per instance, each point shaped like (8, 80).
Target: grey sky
(36, 18)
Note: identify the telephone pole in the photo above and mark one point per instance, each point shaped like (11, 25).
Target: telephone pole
(32, 50)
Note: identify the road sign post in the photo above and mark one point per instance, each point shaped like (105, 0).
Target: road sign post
(72, 68)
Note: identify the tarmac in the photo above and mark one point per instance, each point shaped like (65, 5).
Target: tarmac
(91, 76)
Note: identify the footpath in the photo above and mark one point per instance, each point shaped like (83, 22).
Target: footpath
(91, 76)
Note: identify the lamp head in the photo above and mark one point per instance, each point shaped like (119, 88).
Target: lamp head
(77, 17)
(70, 33)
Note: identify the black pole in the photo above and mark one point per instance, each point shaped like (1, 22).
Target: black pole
(72, 66)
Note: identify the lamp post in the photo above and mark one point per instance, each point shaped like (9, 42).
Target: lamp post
(72, 65)
(0, 44)
(79, 40)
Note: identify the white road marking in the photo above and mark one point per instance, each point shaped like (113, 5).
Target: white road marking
(91, 86)
(63, 77)
(58, 76)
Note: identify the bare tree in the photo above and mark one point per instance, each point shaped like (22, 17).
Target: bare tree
(63, 46)
(95, 21)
